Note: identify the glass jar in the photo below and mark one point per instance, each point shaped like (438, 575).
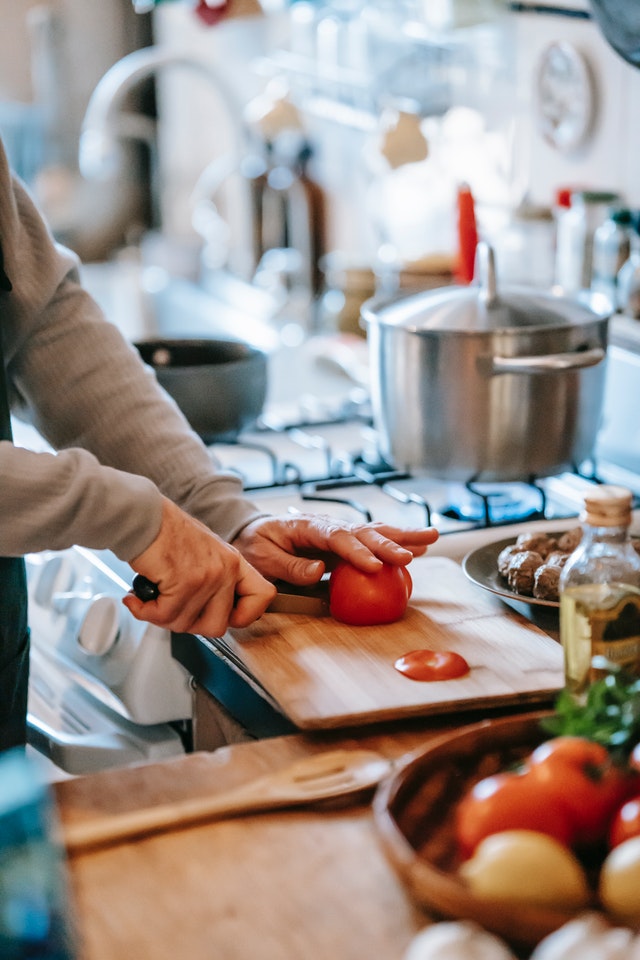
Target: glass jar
(348, 283)
(600, 591)
(576, 226)
(524, 248)
(611, 249)
(628, 279)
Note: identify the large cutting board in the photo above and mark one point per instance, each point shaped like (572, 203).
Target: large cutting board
(326, 674)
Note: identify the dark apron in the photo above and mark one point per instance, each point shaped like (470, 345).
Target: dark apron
(14, 630)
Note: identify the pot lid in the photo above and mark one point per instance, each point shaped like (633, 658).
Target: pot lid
(480, 307)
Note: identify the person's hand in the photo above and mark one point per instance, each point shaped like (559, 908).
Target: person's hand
(205, 585)
(299, 549)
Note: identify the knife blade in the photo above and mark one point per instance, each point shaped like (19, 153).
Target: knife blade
(312, 599)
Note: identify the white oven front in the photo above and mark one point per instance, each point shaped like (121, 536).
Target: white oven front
(104, 689)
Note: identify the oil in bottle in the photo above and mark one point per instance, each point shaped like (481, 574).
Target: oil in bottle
(600, 591)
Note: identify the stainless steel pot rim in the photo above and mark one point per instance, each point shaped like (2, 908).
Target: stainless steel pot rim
(459, 311)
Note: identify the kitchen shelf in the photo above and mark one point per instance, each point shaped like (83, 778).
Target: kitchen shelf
(354, 99)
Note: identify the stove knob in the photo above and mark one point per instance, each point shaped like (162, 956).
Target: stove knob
(56, 576)
(100, 625)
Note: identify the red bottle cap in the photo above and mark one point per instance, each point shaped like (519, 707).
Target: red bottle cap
(211, 14)
(467, 235)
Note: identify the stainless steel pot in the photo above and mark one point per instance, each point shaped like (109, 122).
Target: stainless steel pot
(469, 383)
(220, 385)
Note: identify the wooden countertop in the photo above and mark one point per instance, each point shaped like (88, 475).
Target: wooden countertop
(272, 886)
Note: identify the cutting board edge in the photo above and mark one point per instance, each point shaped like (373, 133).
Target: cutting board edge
(413, 711)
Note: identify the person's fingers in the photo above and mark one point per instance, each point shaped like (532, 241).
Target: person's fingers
(230, 604)
(201, 579)
(416, 541)
(185, 612)
(300, 549)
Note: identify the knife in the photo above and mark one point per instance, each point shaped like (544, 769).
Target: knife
(312, 599)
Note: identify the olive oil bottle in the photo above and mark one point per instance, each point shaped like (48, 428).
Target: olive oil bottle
(600, 591)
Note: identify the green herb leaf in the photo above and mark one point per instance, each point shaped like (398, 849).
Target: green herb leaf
(609, 714)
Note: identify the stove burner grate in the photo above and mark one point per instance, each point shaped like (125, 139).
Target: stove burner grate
(311, 495)
(364, 473)
(331, 468)
(492, 504)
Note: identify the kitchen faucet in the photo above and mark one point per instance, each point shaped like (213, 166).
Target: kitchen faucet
(294, 207)
(107, 123)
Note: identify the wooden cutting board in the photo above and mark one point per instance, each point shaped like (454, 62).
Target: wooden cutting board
(326, 674)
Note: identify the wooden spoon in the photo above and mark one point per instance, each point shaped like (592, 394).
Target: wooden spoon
(336, 773)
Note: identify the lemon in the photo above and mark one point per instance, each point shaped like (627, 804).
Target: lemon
(526, 867)
(619, 886)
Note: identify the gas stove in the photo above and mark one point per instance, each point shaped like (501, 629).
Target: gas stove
(333, 467)
(107, 690)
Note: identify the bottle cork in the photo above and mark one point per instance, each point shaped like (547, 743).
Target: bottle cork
(608, 506)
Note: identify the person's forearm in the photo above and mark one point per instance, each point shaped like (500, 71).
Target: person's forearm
(83, 386)
(103, 399)
(52, 502)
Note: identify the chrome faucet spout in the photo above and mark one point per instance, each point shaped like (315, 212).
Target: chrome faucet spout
(106, 122)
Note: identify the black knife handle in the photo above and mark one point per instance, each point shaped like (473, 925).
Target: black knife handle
(145, 589)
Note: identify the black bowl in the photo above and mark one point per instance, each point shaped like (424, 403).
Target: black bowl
(220, 385)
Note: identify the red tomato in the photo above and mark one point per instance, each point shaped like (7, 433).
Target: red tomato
(408, 581)
(432, 665)
(507, 801)
(626, 822)
(365, 599)
(580, 776)
(634, 759)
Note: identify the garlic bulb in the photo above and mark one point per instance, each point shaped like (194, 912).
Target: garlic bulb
(588, 937)
(455, 940)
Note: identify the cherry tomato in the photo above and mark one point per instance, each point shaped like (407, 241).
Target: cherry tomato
(626, 823)
(365, 599)
(580, 776)
(634, 758)
(508, 801)
(432, 665)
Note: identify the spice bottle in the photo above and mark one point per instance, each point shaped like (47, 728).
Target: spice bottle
(571, 231)
(576, 226)
(611, 249)
(600, 591)
(628, 280)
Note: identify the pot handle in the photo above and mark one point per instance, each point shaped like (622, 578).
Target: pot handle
(546, 363)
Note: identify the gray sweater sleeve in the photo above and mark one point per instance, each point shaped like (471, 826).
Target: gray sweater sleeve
(120, 441)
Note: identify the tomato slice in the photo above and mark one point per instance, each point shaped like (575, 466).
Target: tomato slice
(432, 665)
